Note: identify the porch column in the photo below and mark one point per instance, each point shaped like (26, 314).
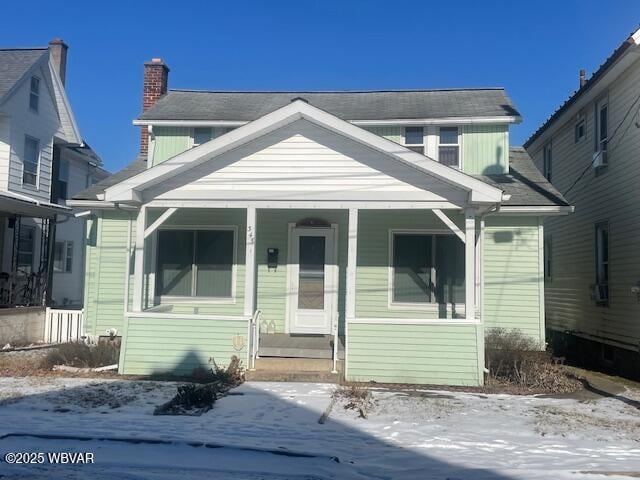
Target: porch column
(138, 271)
(352, 251)
(250, 264)
(470, 263)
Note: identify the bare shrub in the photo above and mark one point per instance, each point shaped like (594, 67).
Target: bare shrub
(81, 355)
(355, 397)
(515, 358)
(232, 374)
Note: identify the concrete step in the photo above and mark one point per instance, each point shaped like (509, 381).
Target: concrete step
(298, 346)
(276, 376)
(280, 369)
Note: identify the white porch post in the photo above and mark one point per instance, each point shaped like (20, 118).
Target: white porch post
(138, 272)
(250, 263)
(350, 299)
(470, 263)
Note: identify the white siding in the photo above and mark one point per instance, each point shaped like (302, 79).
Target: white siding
(42, 126)
(5, 152)
(613, 196)
(308, 163)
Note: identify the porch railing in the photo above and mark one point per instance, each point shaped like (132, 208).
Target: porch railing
(22, 289)
(63, 325)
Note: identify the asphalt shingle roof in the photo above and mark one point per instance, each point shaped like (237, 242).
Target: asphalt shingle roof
(347, 105)
(14, 63)
(525, 183)
(139, 164)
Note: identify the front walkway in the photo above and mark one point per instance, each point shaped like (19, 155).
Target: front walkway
(411, 434)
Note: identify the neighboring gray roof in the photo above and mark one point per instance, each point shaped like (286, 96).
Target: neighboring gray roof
(138, 165)
(347, 105)
(15, 63)
(525, 183)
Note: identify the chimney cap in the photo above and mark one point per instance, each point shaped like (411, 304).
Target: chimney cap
(155, 61)
(58, 41)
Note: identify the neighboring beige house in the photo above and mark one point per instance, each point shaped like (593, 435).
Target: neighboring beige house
(590, 150)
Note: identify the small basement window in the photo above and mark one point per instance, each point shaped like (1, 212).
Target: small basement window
(196, 263)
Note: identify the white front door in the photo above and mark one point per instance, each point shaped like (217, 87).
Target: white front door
(313, 280)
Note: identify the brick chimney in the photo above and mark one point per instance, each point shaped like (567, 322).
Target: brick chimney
(58, 56)
(583, 77)
(156, 77)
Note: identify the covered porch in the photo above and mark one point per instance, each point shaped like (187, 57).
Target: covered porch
(206, 283)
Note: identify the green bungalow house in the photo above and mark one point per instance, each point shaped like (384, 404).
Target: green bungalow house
(374, 235)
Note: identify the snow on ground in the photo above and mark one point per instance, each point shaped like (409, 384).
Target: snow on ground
(417, 434)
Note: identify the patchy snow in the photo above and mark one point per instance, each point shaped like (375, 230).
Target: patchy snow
(418, 434)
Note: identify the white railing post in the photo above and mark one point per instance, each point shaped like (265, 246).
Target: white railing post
(350, 300)
(63, 325)
(250, 264)
(138, 271)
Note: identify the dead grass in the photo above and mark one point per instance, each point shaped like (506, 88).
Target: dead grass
(81, 355)
(355, 397)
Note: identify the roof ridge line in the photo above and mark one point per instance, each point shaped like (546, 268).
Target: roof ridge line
(408, 90)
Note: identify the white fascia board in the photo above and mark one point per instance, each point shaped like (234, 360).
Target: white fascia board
(361, 123)
(64, 107)
(98, 205)
(288, 114)
(534, 210)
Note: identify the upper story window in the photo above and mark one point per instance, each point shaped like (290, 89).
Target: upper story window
(547, 161)
(449, 146)
(580, 130)
(63, 179)
(201, 135)
(601, 126)
(30, 161)
(34, 94)
(414, 138)
(601, 289)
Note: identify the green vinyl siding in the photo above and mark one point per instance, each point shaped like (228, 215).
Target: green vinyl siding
(427, 354)
(105, 273)
(395, 134)
(272, 231)
(157, 345)
(372, 272)
(513, 287)
(485, 149)
(169, 142)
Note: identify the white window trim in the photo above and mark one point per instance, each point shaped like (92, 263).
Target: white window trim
(599, 104)
(547, 167)
(603, 225)
(425, 307)
(65, 250)
(459, 144)
(38, 163)
(547, 255)
(580, 120)
(178, 299)
(192, 136)
(37, 94)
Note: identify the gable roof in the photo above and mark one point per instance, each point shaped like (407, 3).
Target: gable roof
(633, 40)
(138, 165)
(187, 105)
(525, 183)
(130, 190)
(14, 65)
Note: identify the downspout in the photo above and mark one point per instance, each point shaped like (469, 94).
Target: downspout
(493, 209)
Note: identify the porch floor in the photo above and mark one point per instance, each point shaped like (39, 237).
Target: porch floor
(298, 346)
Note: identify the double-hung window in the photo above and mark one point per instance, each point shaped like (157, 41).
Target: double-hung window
(34, 94)
(414, 139)
(601, 130)
(63, 179)
(580, 129)
(449, 146)
(26, 246)
(201, 135)
(426, 269)
(30, 161)
(547, 157)
(196, 263)
(63, 256)
(601, 292)
(548, 257)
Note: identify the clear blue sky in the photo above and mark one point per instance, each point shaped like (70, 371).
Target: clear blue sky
(533, 49)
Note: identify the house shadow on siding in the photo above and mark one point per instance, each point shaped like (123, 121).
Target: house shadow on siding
(269, 431)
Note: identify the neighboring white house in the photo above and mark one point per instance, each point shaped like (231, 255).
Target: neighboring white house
(589, 148)
(40, 148)
(78, 169)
